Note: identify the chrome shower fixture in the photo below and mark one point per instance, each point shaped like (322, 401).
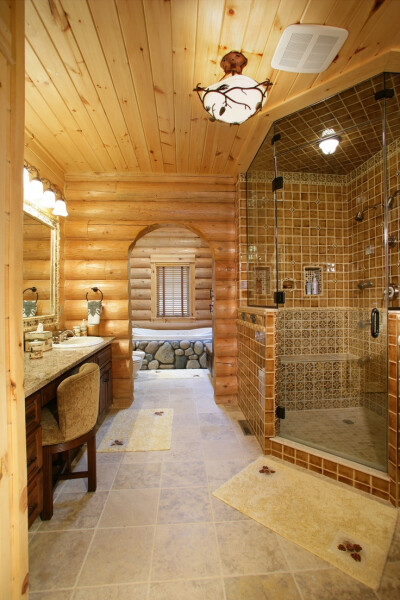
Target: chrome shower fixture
(391, 199)
(360, 215)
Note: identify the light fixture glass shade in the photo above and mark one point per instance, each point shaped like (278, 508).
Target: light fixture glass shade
(60, 208)
(35, 192)
(233, 99)
(329, 145)
(49, 199)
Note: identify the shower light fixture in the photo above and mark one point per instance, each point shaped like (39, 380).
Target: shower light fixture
(236, 97)
(331, 141)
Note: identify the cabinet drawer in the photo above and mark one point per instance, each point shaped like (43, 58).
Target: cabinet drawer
(49, 392)
(32, 412)
(103, 357)
(35, 498)
(34, 451)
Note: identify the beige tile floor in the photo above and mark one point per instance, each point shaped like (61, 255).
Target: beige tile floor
(153, 531)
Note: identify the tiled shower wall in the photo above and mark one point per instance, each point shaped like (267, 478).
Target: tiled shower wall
(317, 229)
(257, 370)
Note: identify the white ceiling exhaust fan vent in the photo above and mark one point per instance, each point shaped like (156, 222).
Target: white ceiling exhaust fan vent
(308, 48)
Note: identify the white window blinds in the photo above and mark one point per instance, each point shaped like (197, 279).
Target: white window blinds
(173, 291)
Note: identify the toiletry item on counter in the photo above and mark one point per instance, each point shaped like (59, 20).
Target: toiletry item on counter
(39, 335)
(36, 349)
(314, 286)
(309, 288)
(83, 327)
(47, 344)
(77, 330)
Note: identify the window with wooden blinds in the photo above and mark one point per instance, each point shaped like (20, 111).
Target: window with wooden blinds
(173, 290)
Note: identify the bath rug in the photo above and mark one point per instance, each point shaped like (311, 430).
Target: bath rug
(139, 430)
(343, 527)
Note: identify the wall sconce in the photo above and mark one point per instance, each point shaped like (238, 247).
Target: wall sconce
(33, 191)
(34, 187)
(236, 97)
(60, 208)
(329, 145)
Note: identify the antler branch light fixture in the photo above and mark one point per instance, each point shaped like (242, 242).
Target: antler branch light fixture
(236, 97)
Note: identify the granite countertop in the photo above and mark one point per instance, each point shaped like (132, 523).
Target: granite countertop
(41, 371)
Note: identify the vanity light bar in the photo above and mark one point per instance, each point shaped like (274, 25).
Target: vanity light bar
(33, 191)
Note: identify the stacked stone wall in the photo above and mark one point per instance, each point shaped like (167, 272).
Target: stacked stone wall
(179, 354)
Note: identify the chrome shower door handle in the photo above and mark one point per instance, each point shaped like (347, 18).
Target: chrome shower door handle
(374, 322)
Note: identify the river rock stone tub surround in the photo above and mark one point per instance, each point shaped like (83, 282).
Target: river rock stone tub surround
(173, 354)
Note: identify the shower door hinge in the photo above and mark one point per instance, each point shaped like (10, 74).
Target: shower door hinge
(279, 297)
(275, 138)
(385, 93)
(277, 184)
(280, 412)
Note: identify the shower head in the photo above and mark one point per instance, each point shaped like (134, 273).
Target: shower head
(359, 216)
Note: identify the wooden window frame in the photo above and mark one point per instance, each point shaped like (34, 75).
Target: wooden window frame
(165, 260)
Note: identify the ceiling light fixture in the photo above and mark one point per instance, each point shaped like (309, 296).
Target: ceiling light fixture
(236, 97)
(330, 143)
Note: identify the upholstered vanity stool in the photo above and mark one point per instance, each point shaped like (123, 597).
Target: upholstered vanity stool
(78, 408)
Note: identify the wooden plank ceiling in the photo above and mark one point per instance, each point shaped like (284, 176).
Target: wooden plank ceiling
(109, 83)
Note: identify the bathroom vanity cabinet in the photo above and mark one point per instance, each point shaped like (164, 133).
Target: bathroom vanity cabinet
(48, 393)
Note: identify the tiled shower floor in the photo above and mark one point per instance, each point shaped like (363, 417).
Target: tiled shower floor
(153, 530)
(354, 433)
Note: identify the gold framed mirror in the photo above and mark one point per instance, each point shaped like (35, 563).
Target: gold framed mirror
(41, 241)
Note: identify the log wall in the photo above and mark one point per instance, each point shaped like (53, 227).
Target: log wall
(13, 496)
(170, 241)
(107, 216)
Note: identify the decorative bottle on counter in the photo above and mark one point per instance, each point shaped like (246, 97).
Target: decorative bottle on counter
(83, 327)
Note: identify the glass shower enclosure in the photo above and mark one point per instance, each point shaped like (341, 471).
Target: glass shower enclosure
(324, 229)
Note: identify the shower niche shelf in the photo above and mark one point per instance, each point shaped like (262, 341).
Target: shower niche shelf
(314, 358)
(310, 274)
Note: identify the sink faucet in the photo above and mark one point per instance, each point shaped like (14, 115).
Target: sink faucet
(65, 333)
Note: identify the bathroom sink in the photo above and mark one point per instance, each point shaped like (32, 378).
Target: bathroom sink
(78, 342)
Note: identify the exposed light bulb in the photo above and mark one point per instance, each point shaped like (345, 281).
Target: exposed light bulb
(329, 145)
(49, 199)
(60, 208)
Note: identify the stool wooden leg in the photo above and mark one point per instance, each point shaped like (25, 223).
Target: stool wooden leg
(91, 456)
(47, 510)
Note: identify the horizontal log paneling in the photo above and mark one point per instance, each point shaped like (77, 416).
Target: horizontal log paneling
(76, 289)
(154, 212)
(111, 309)
(112, 235)
(121, 348)
(169, 241)
(106, 269)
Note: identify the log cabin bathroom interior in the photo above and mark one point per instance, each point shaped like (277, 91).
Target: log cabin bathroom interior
(199, 299)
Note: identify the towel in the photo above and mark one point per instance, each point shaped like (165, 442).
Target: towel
(29, 308)
(94, 310)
